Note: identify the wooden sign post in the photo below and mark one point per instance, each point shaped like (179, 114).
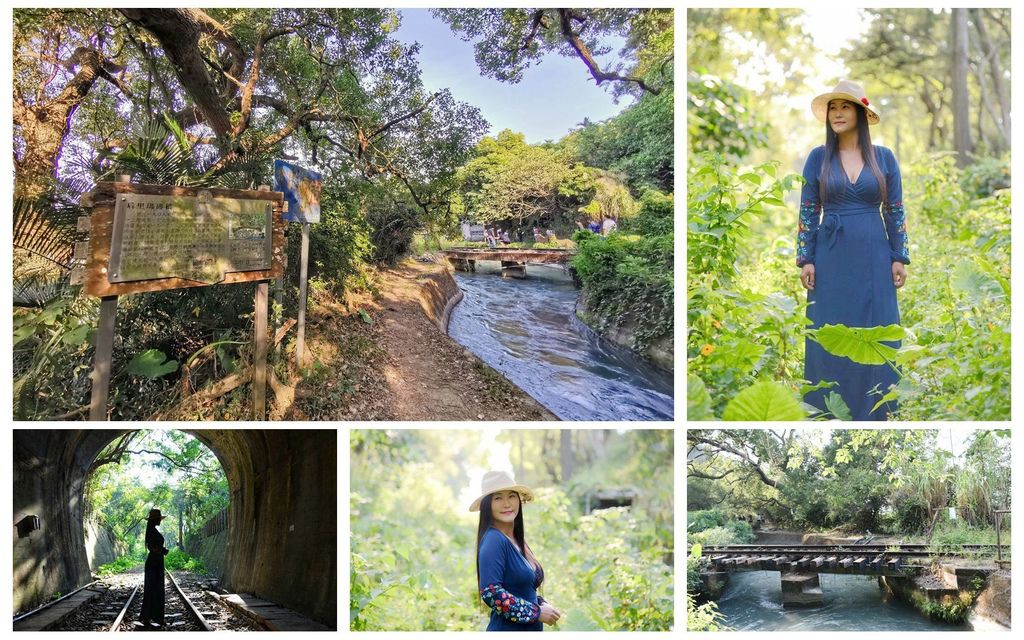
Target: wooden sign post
(300, 339)
(158, 237)
(301, 189)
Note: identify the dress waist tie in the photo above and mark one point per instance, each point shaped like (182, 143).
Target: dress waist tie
(833, 223)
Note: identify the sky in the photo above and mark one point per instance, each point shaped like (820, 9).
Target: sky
(552, 98)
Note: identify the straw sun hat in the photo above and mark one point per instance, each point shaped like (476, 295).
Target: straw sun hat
(845, 90)
(494, 481)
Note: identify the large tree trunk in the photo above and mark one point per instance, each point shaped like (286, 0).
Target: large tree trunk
(178, 31)
(567, 455)
(44, 125)
(961, 113)
(991, 54)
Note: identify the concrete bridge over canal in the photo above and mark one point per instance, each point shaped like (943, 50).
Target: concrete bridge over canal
(800, 565)
(513, 261)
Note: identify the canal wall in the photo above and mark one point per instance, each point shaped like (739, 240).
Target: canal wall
(993, 603)
(439, 293)
(660, 352)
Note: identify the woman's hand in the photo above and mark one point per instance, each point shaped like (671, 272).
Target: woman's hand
(899, 274)
(549, 614)
(807, 276)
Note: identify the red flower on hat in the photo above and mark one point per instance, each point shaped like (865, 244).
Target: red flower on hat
(865, 101)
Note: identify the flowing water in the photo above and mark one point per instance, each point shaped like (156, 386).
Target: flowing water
(753, 602)
(527, 330)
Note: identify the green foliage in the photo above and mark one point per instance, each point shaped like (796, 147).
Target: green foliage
(746, 310)
(765, 400)
(985, 176)
(152, 364)
(638, 143)
(628, 278)
(192, 490)
(862, 345)
(178, 560)
(607, 570)
(719, 118)
(703, 617)
(697, 521)
(856, 480)
(121, 564)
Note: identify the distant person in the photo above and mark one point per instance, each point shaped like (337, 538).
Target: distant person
(594, 226)
(153, 588)
(608, 226)
(504, 237)
(551, 237)
(538, 236)
(489, 238)
(859, 248)
(507, 573)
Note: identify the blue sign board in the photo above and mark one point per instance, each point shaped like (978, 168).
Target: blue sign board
(301, 189)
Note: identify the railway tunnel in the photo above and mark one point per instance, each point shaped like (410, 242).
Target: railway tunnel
(282, 520)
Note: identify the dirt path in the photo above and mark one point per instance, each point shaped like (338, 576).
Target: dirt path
(400, 366)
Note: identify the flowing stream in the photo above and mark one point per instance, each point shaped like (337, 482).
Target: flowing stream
(753, 602)
(527, 330)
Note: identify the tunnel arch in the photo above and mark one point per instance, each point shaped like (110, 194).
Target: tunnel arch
(282, 518)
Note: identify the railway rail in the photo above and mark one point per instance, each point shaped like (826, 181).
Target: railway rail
(117, 604)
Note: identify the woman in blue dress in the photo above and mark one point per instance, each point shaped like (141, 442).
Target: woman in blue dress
(851, 246)
(508, 574)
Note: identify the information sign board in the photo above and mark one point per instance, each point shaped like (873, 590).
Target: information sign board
(197, 238)
(301, 189)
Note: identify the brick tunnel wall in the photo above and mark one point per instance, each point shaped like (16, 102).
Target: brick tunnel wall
(282, 522)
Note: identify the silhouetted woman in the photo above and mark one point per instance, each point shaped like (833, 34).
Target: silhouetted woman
(853, 258)
(153, 589)
(508, 574)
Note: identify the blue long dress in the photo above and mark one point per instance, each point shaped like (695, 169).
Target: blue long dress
(852, 247)
(508, 585)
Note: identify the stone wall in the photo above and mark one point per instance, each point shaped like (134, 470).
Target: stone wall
(100, 545)
(209, 543)
(993, 602)
(660, 352)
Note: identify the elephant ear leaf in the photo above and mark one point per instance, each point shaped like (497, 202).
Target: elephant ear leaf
(765, 400)
(152, 364)
(863, 345)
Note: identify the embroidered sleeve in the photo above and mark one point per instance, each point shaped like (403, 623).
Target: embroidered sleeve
(810, 211)
(894, 214)
(508, 606)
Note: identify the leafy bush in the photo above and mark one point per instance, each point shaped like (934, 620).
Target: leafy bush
(177, 560)
(697, 521)
(746, 309)
(121, 564)
(628, 277)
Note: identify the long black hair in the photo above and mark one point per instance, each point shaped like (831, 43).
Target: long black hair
(487, 521)
(867, 152)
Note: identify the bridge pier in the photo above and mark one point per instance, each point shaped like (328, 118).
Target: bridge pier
(512, 269)
(714, 583)
(463, 264)
(800, 589)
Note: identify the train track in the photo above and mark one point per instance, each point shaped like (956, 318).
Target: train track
(187, 607)
(906, 550)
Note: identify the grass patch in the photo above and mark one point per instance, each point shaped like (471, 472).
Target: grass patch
(120, 565)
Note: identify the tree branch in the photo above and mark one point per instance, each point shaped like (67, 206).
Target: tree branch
(584, 53)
